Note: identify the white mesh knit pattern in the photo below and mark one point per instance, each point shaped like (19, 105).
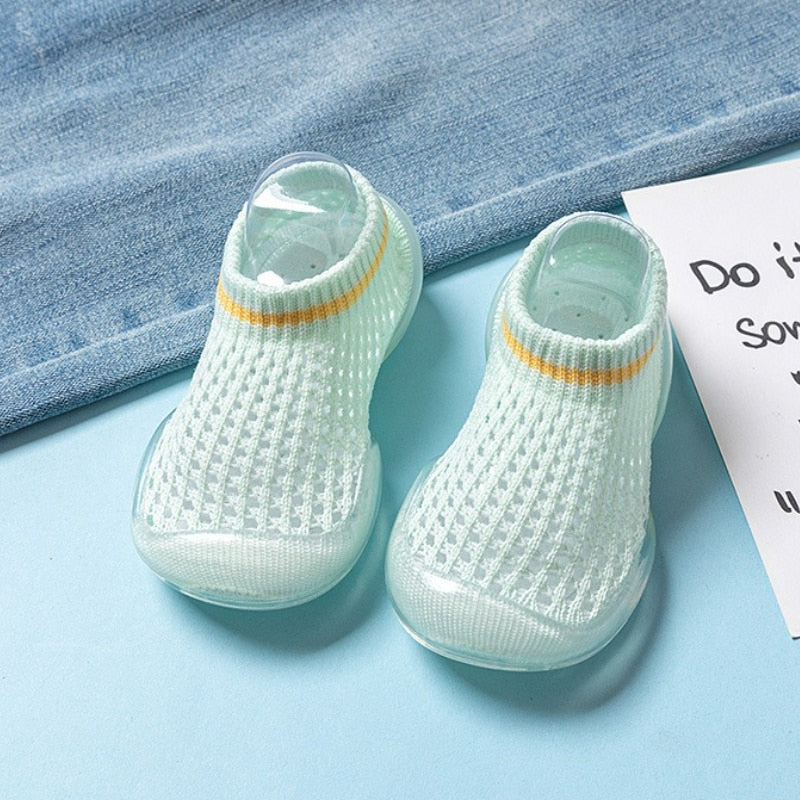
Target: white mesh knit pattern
(522, 547)
(268, 453)
(505, 511)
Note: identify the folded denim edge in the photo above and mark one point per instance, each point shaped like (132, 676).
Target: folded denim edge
(720, 142)
(102, 369)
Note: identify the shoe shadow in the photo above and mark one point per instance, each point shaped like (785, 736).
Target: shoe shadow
(406, 403)
(319, 623)
(687, 465)
(581, 687)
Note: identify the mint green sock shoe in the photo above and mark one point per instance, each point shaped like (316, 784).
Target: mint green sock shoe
(261, 489)
(528, 544)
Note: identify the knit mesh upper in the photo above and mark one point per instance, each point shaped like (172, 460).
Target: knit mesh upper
(542, 500)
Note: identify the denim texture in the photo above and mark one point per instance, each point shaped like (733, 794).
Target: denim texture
(131, 132)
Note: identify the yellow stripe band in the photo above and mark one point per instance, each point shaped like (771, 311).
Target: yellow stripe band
(310, 313)
(583, 377)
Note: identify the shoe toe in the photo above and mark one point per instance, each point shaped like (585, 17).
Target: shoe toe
(260, 567)
(250, 569)
(466, 623)
(472, 624)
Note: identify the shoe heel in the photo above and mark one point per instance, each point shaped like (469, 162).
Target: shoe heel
(416, 272)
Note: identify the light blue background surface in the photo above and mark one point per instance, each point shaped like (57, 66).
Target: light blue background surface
(113, 685)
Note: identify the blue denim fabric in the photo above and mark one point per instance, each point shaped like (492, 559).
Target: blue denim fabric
(131, 132)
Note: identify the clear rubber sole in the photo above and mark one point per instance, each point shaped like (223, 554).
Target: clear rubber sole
(277, 546)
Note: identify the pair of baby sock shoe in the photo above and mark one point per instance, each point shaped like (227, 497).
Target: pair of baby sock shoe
(529, 542)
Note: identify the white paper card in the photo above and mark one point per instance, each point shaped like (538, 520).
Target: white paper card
(731, 243)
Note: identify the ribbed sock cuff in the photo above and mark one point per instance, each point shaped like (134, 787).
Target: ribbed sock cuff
(331, 292)
(571, 359)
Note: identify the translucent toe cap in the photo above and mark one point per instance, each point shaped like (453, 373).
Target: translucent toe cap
(262, 567)
(249, 569)
(468, 624)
